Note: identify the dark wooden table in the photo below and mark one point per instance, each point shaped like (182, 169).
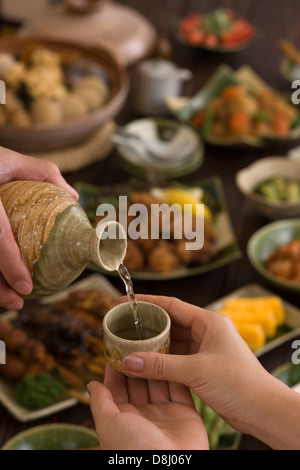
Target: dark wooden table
(279, 19)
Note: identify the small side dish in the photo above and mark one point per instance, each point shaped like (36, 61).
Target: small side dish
(237, 108)
(240, 110)
(166, 253)
(274, 251)
(265, 320)
(257, 319)
(221, 28)
(163, 256)
(279, 189)
(272, 187)
(290, 66)
(284, 262)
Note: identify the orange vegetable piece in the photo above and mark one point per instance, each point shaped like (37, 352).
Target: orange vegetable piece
(198, 119)
(280, 124)
(232, 92)
(240, 123)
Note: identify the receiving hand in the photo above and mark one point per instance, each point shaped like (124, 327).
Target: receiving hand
(209, 356)
(135, 414)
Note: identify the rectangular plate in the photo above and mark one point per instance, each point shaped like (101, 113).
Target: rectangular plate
(227, 249)
(254, 290)
(7, 390)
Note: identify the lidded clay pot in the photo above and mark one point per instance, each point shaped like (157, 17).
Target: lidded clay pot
(55, 236)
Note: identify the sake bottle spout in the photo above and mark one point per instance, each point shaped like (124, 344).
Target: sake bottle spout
(109, 246)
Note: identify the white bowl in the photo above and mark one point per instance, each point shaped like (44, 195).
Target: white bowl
(249, 178)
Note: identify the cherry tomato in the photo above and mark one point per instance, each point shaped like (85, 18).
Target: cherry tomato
(240, 31)
(189, 23)
(211, 40)
(195, 37)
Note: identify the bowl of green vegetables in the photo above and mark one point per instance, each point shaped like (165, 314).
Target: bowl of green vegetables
(272, 186)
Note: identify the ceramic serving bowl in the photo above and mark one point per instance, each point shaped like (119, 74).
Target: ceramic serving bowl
(265, 241)
(78, 61)
(119, 329)
(54, 437)
(249, 178)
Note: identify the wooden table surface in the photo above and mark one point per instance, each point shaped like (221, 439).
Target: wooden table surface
(279, 19)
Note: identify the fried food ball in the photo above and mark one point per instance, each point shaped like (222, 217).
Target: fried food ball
(134, 259)
(45, 57)
(7, 61)
(13, 369)
(90, 96)
(73, 106)
(186, 256)
(15, 75)
(201, 256)
(21, 118)
(93, 90)
(163, 258)
(13, 103)
(44, 111)
(144, 198)
(146, 244)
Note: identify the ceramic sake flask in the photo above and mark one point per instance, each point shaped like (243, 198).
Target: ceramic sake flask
(55, 237)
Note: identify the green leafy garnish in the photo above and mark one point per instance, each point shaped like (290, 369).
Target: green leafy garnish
(217, 22)
(39, 391)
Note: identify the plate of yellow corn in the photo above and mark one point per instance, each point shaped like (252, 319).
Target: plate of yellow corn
(263, 319)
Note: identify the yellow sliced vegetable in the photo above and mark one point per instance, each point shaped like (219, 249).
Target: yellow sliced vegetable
(266, 319)
(258, 305)
(182, 197)
(253, 334)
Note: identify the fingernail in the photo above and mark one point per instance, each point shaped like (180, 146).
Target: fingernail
(23, 287)
(89, 389)
(133, 364)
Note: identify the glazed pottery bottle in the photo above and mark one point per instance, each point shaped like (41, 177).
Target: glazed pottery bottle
(55, 237)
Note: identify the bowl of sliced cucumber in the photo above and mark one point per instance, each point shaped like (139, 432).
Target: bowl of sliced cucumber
(272, 186)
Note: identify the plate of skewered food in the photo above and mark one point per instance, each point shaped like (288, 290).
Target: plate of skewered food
(53, 348)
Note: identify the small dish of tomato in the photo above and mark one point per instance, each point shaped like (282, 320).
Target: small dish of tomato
(221, 31)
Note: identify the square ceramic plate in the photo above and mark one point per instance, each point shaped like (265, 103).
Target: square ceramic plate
(184, 107)
(292, 314)
(7, 393)
(226, 249)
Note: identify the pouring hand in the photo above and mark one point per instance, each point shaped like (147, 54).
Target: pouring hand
(15, 280)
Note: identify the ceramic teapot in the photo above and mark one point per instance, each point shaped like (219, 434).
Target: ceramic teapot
(55, 237)
(155, 80)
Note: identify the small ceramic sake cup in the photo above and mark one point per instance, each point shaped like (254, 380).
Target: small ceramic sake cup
(120, 334)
